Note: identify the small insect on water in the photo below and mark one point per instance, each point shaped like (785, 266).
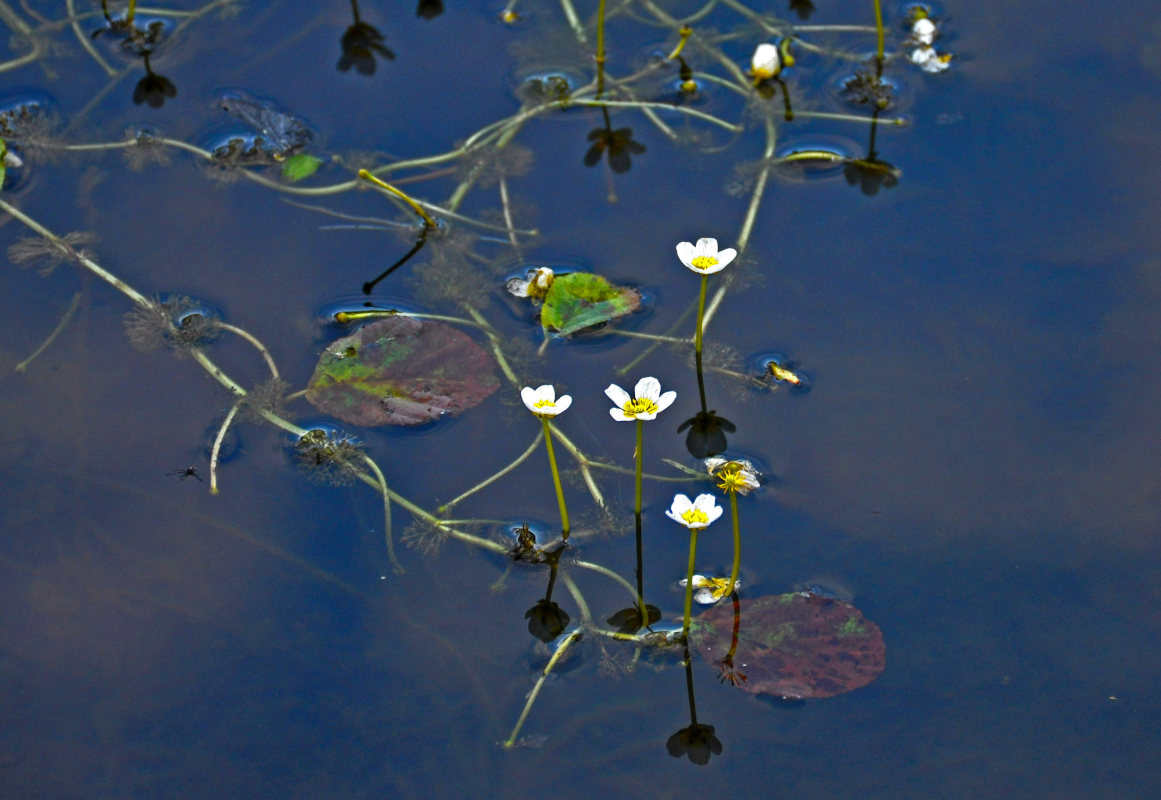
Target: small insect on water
(188, 472)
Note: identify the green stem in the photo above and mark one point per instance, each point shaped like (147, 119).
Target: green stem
(689, 582)
(640, 464)
(879, 30)
(700, 314)
(564, 527)
(737, 543)
(510, 742)
(600, 59)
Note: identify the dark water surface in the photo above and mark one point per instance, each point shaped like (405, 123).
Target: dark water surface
(975, 462)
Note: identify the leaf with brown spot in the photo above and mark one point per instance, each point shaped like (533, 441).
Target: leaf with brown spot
(401, 371)
(794, 645)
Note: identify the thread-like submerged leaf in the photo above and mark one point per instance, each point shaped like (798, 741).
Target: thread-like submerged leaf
(793, 645)
(401, 371)
(580, 300)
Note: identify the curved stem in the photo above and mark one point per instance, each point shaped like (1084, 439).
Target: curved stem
(395, 565)
(60, 326)
(510, 742)
(215, 453)
(416, 207)
(252, 339)
(520, 459)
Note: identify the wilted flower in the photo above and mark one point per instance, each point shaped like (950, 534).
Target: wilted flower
(535, 283)
(734, 476)
(930, 61)
(646, 404)
(543, 401)
(704, 257)
(923, 31)
(710, 590)
(698, 513)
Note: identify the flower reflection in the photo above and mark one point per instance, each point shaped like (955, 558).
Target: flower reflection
(697, 743)
(707, 434)
(617, 143)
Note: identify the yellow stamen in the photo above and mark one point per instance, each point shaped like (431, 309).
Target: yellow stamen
(693, 516)
(704, 262)
(639, 405)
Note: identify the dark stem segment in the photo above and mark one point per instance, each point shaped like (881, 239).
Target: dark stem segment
(641, 575)
(369, 286)
(689, 685)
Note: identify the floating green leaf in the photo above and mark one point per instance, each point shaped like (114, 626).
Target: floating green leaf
(401, 371)
(580, 300)
(299, 166)
(793, 645)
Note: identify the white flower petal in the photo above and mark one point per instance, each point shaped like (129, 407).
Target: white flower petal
(686, 252)
(680, 505)
(647, 388)
(665, 400)
(620, 415)
(528, 395)
(618, 395)
(562, 403)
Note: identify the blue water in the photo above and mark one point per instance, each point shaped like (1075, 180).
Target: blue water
(974, 463)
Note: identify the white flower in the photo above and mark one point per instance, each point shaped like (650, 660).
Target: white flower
(543, 401)
(704, 257)
(711, 590)
(734, 476)
(534, 284)
(923, 32)
(930, 61)
(766, 62)
(698, 513)
(646, 404)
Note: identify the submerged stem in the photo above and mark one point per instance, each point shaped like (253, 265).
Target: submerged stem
(390, 540)
(215, 453)
(510, 742)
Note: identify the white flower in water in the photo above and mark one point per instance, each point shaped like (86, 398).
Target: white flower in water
(646, 404)
(734, 476)
(543, 401)
(766, 62)
(697, 513)
(704, 257)
(710, 590)
(930, 61)
(535, 283)
(923, 32)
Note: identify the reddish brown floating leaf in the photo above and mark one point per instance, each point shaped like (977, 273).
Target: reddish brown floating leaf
(401, 371)
(794, 645)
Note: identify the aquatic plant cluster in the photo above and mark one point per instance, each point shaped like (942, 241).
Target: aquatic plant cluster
(405, 368)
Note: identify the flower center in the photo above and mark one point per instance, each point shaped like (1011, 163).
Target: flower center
(545, 403)
(704, 262)
(639, 405)
(693, 516)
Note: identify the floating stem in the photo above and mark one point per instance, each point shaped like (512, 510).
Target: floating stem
(367, 176)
